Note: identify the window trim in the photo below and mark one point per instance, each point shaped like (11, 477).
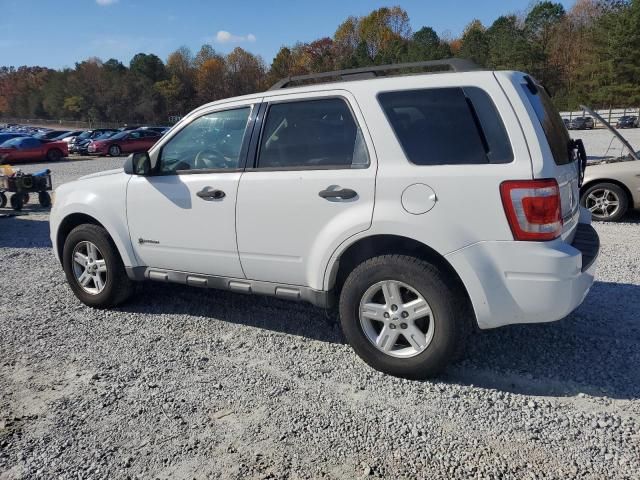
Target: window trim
(261, 124)
(244, 149)
(481, 131)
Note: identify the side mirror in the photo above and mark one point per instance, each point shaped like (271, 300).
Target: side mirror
(138, 164)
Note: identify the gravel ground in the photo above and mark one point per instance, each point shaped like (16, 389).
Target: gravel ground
(184, 383)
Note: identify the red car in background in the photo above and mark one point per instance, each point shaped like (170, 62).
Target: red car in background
(124, 142)
(30, 148)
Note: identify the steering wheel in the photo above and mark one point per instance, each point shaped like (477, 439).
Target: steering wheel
(209, 159)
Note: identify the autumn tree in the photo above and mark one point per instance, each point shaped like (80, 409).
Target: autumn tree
(474, 44)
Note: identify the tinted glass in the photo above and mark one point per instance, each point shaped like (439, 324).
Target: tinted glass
(29, 142)
(447, 126)
(120, 135)
(552, 124)
(313, 133)
(212, 141)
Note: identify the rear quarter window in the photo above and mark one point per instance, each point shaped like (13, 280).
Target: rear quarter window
(447, 126)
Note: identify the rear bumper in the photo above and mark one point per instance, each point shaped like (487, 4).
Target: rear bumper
(528, 282)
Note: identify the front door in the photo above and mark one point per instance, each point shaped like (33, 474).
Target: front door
(310, 188)
(183, 216)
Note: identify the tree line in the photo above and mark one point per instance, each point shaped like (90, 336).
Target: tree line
(588, 54)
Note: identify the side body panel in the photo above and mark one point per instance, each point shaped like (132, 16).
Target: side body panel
(102, 197)
(627, 173)
(468, 208)
(286, 231)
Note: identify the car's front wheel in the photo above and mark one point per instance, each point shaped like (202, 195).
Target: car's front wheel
(93, 267)
(403, 316)
(607, 202)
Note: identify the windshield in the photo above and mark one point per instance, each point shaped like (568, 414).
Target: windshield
(552, 124)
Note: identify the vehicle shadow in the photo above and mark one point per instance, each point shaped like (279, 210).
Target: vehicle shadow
(593, 351)
(268, 313)
(24, 230)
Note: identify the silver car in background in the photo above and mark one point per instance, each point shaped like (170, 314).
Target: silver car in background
(611, 186)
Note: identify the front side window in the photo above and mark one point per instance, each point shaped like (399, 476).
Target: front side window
(312, 134)
(447, 126)
(212, 141)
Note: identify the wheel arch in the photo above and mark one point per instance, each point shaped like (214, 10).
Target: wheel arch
(74, 220)
(382, 244)
(620, 184)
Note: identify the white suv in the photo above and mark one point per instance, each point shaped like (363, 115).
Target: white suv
(424, 206)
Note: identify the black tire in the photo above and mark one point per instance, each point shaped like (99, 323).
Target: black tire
(16, 202)
(615, 192)
(115, 150)
(445, 299)
(3, 200)
(45, 199)
(117, 287)
(54, 155)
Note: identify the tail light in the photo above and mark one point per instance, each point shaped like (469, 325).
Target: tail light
(532, 208)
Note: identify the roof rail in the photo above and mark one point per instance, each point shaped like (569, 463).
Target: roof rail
(452, 64)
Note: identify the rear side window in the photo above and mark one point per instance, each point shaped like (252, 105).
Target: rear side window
(447, 126)
(551, 121)
(312, 134)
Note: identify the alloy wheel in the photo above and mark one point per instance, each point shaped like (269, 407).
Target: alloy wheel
(603, 203)
(396, 319)
(89, 267)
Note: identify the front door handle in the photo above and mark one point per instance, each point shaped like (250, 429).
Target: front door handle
(211, 194)
(339, 193)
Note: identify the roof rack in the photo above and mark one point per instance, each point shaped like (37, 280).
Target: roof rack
(452, 64)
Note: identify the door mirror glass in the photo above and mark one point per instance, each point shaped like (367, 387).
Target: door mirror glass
(138, 163)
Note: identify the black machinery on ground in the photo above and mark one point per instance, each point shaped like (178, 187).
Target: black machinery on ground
(22, 184)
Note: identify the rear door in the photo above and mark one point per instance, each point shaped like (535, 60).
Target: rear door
(311, 186)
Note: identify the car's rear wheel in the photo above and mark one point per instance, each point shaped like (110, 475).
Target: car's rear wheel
(607, 202)
(93, 267)
(3, 200)
(403, 316)
(54, 155)
(115, 150)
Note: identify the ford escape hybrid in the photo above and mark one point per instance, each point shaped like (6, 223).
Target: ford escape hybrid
(421, 205)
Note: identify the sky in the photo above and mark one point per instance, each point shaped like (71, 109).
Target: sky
(57, 34)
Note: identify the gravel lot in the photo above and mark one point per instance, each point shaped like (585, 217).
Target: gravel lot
(184, 383)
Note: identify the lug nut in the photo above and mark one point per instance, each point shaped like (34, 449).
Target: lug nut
(404, 314)
(394, 308)
(403, 325)
(392, 326)
(385, 314)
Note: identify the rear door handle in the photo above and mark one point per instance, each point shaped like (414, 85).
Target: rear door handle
(340, 193)
(211, 194)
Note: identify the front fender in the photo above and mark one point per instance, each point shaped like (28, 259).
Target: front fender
(104, 200)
